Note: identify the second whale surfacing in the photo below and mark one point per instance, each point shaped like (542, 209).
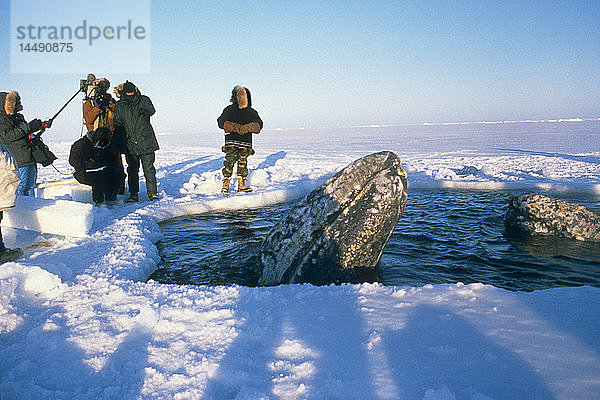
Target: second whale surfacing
(338, 232)
(535, 214)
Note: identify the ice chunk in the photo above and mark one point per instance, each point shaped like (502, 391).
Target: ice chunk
(58, 217)
(65, 189)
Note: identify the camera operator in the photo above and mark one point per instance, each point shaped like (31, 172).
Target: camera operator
(94, 158)
(98, 105)
(15, 133)
(98, 111)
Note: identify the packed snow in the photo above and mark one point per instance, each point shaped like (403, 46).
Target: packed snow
(79, 321)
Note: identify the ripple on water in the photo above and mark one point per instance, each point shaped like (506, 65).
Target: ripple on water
(444, 236)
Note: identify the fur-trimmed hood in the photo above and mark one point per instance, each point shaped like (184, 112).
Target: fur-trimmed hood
(11, 103)
(241, 97)
(119, 88)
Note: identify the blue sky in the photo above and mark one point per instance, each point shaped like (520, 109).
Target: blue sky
(348, 63)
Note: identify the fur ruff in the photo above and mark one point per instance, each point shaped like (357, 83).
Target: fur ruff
(10, 104)
(117, 89)
(241, 96)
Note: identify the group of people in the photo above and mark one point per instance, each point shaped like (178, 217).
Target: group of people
(114, 128)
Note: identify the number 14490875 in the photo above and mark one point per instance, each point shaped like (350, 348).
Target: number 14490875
(46, 47)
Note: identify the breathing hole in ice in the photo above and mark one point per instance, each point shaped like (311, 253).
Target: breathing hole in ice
(444, 236)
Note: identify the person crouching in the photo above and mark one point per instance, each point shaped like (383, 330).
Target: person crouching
(95, 160)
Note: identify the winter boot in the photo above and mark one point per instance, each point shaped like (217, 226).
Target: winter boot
(110, 198)
(7, 255)
(242, 185)
(133, 197)
(226, 182)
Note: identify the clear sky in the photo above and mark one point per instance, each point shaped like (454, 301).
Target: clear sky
(347, 63)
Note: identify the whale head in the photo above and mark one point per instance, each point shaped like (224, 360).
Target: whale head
(341, 228)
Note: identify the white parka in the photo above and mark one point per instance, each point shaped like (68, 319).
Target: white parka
(9, 178)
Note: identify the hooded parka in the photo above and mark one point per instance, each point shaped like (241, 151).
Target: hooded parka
(14, 130)
(133, 113)
(239, 120)
(95, 159)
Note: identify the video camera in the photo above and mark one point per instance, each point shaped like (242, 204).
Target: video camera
(84, 86)
(84, 83)
(96, 91)
(92, 86)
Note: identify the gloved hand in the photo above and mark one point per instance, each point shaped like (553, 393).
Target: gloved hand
(47, 124)
(251, 127)
(24, 127)
(254, 127)
(229, 127)
(243, 129)
(35, 125)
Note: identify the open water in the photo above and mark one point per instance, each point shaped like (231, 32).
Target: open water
(444, 236)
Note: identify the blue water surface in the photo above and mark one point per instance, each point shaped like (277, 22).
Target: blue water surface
(444, 236)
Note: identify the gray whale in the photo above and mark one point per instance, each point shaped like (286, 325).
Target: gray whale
(541, 215)
(340, 228)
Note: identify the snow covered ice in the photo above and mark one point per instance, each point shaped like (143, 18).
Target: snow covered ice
(78, 320)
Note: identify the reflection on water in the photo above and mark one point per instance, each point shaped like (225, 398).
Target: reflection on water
(450, 236)
(444, 236)
(216, 248)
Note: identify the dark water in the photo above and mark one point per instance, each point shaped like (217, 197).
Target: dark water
(444, 236)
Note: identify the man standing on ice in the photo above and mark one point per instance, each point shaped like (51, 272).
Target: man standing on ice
(9, 181)
(239, 121)
(133, 112)
(15, 133)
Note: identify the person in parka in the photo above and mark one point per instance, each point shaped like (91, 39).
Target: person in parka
(9, 181)
(98, 110)
(15, 133)
(238, 121)
(95, 159)
(133, 112)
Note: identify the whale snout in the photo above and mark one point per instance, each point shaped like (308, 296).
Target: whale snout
(341, 228)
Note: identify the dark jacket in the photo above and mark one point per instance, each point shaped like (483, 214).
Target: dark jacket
(239, 120)
(14, 130)
(91, 162)
(134, 115)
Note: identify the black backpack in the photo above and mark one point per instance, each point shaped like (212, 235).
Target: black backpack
(40, 151)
